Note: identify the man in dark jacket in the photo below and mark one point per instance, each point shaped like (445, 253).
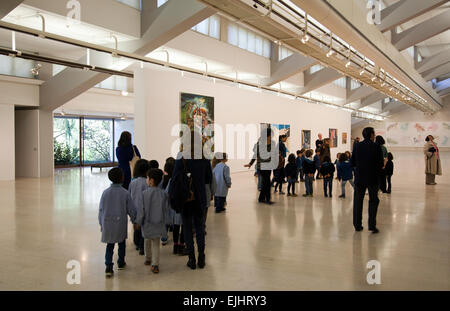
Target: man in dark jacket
(368, 162)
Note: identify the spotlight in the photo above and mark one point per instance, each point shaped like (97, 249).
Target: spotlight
(255, 6)
(383, 84)
(35, 71)
(305, 39)
(348, 64)
(374, 79)
(391, 89)
(362, 72)
(124, 93)
(330, 52)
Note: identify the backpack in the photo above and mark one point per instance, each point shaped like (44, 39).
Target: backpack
(181, 189)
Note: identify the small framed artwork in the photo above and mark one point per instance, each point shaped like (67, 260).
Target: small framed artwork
(333, 138)
(306, 139)
(344, 138)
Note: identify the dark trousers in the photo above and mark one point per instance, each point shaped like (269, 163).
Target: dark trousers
(309, 184)
(219, 203)
(301, 174)
(389, 189)
(279, 184)
(291, 185)
(328, 185)
(110, 252)
(138, 239)
(382, 179)
(264, 195)
(194, 216)
(178, 234)
(358, 200)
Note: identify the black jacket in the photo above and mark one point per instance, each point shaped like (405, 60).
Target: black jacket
(327, 168)
(389, 168)
(291, 171)
(308, 166)
(201, 175)
(368, 162)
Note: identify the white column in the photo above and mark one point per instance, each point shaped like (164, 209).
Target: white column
(7, 155)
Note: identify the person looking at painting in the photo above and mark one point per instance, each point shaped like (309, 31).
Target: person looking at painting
(381, 142)
(432, 160)
(125, 152)
(325, 150)
(319, 142)
(266, 158)
(368, 162)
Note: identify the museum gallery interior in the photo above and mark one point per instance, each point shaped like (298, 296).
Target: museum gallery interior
(96, 98)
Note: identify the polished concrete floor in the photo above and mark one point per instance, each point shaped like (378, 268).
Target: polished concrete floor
(296, 244)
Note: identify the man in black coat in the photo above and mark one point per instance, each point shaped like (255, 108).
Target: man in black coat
(368, 162)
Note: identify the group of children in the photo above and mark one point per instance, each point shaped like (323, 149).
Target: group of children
(305, 166)
(146, 203)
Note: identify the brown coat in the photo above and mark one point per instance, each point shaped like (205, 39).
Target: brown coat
(432, 161)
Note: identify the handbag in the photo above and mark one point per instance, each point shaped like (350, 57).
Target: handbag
(133, 161)
(432, 149)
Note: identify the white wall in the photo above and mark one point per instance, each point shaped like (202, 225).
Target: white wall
(19, 91)
(7, 161)
(157, 100)
(406, 115)
(27, 143)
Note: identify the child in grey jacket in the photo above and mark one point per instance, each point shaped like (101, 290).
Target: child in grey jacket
(152, 214)
(223, 183)
(136, 187)
(115, 205)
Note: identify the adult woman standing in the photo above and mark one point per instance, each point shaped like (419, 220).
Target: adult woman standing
(379, 140)
(194, 164)
(432, 160)
(325, 150)
(125, 152)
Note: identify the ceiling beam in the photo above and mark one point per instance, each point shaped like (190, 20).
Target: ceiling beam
(318, 79)
(433, 61)
(286, 68)
(168, 21)
(358, 93)
(405, 10)
(371, 99)
(422, 31)
(436, 72)
(444, 92)
(6, 6)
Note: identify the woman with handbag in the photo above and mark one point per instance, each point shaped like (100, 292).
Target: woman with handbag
(127, 155)
(432, 160)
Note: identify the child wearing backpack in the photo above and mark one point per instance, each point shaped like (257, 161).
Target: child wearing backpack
(291, 171)
(136, 187)
(152, 213)
(115, 204)
(327, 171)
(223, 183)
(345, 173)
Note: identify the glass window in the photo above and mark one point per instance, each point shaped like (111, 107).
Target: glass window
(214, 27)
(242, 38)
(57, 69)
(315, 68)
(266, 48)
(251, 42)
(342, 82)
(133, 3)
(259, 45)
(66, 141)
(232, 34)
(121, 126)
(118, 83)
(97, 141)
(18, 67)
(161, 2)
(354, 84)
(202, 27)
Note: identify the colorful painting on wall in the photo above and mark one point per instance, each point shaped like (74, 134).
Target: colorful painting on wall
(344, 138)
(333, 138)
(306, 139)
(413, 134)
(197, 111)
